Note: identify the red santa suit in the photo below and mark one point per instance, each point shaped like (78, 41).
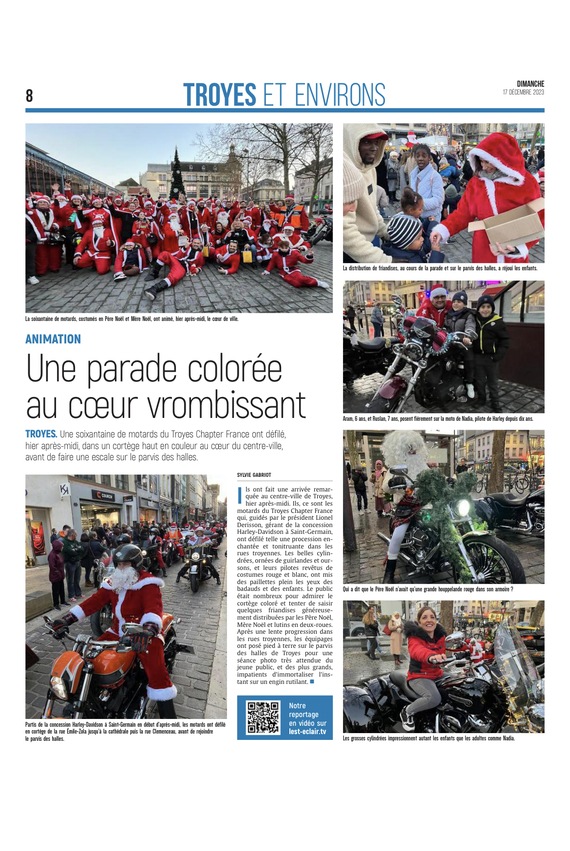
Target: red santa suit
(48, 257)
(141, 603)
(228, 261)
(171, 233)
(94, 248)
(484, 197)
(285, 265)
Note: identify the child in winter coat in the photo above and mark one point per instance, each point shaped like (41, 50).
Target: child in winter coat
(461, 319)
(489, 348)
(406, 241)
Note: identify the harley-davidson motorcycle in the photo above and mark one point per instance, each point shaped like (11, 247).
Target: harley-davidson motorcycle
(365, 357)
(103, 679)
(437, 373)
(321, 229)
(486, 559)
(506, 694)
(519, 514)
(198, 564)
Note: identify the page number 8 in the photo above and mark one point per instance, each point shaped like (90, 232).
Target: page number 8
(29, 95)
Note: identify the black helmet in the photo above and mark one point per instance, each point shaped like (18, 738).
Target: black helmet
(154, 530)
(123, 539)
(130, 553)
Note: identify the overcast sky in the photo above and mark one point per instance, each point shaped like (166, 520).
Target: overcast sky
(114, 152)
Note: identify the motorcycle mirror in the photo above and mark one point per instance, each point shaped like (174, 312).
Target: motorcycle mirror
(454, 638)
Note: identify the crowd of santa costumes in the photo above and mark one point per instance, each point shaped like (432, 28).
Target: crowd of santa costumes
(129, 237)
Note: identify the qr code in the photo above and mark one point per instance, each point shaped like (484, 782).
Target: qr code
(263, 717)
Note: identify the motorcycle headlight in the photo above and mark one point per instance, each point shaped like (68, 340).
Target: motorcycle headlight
(195, 556)
(462, 508)
(58, 687)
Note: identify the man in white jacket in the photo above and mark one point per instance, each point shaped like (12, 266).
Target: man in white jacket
(364, 145)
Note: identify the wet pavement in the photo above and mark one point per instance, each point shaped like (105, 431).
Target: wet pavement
(365, 566)
(514, 399)
(84, 291)
(199, 674)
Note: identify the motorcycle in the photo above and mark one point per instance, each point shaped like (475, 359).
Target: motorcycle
(101, 621)
(365, 357)
(103, 679)
(322, 228)
(503, 694)
(475, 556)
(198, 564)
(520, 514)
(437, 378)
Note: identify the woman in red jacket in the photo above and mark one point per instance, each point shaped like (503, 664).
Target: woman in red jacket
(426, 646)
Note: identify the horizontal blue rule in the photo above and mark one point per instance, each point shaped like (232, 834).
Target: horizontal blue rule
(292, 717)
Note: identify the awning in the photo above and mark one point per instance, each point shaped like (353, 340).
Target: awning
(494, 291)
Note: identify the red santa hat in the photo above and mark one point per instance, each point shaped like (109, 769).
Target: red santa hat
(502, 151)
(39, 197)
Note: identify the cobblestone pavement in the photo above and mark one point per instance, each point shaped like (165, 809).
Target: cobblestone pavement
(365, 565)
(84, 291)
(459, 250)
(514, 399)
(199, 675)
(357, 666)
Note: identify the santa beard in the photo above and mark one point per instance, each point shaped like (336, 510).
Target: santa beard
(406, 447)
(123, 578)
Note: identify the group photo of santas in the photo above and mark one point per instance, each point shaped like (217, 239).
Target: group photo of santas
(125, 596)
(448, 506)
(232, 219)
(443, 193)
(443, 666)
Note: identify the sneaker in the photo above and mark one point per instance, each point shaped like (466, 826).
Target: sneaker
(323, 285)
(33, 280)
(367, 511)
(58, 608)
(71, 600)
(88, 583)
(119, 276)
(470, 391)
(408, 722)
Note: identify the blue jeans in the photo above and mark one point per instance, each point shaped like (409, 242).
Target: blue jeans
(73, 576)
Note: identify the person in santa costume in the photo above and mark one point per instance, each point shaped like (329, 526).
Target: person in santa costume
(173, 232)
(135, 597)
(43, 228)
(95, 247)
(228, 258)
(285, 260)
(130, 260)
(186, 260)
(500, 183)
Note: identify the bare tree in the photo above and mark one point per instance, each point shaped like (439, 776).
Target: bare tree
(497, 463)
(270, 150)
(316, 155)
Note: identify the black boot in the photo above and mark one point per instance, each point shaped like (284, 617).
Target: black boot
(165, 709)
(390, 571)
(153, 291)
(153, 271)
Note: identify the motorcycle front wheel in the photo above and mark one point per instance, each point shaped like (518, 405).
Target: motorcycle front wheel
(494, 562)
(194, 583)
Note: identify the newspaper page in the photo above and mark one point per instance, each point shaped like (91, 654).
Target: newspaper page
(282, 416)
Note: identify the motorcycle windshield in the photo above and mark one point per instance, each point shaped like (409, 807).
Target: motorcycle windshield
(520, 679)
